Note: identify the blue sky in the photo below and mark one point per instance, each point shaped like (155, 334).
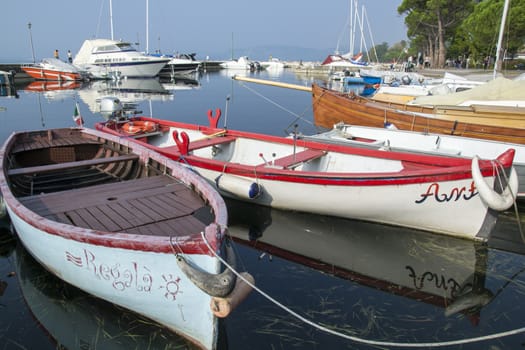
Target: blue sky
(207, 27)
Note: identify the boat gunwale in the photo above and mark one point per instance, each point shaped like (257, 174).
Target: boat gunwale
(448, 169)
(214, 232)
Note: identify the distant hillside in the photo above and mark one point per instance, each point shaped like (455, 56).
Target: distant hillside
(284, 53)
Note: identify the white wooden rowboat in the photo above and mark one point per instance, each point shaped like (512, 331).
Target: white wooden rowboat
(122, 223)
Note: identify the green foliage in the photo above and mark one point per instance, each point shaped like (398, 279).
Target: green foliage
(469, 28)
(478, 34)
(435, 26)
(387, 54)
(379, 50)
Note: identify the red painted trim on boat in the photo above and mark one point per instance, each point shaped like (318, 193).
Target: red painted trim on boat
(440, 168)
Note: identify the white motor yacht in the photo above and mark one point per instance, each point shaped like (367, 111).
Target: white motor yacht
(105, 58)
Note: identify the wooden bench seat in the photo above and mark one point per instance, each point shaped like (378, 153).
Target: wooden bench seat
(197, 144)
(41, 143)
(69, 165)
(208, 142)
(295, 159)
(145, 134)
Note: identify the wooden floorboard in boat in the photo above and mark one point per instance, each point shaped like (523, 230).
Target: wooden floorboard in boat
(61, 201)
(158, 205)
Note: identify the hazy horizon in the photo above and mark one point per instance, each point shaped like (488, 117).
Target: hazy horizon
(208, 28)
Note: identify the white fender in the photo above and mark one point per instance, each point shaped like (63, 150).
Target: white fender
(238, 186)
(496, 201)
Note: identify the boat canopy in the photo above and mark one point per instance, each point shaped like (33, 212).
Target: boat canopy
(499, 89)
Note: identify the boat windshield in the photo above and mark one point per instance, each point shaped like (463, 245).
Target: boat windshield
(114, 48)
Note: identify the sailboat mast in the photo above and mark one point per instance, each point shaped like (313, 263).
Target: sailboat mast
(497, 63)
(232, 47)
(147, 26)
(353, 5)
(111, 17)
(361, 43)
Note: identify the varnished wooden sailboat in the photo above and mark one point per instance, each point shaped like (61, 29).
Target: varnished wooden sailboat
(505, 124)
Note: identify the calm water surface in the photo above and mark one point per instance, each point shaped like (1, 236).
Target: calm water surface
(364, 281)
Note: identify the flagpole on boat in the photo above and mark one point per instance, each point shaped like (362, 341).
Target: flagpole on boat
(31, 41)
(497, 63)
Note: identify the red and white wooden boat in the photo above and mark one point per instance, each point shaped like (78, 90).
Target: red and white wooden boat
(411, 190)
(124, 224)
(424, 142)
(53, 69)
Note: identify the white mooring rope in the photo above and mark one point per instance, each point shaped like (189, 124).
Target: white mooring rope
(358, 339)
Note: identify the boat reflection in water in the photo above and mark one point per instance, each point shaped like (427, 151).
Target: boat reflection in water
(129, 91)
(76, 320)
(54, 90)
(417, 285)
(7, 246)
(184, 82)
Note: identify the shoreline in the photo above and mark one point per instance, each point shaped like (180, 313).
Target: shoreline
(313, 68)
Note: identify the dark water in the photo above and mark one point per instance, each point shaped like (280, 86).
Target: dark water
(325, 283)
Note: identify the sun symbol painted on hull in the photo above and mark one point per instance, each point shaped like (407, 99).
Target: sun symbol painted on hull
(172, 287)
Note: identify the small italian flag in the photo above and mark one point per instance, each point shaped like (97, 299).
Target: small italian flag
(77, 117)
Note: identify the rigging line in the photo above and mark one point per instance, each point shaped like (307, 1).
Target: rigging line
(99, 17)
(355, 338)
(499, 172)
(297, 116)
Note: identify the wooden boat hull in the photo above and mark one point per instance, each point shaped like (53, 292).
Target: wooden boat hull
(331, 107)
(89, 243)
(402, 140)
(328, 179)
(149, 284)
(72, 317)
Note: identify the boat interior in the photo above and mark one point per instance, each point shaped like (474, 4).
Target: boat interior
(70, 177)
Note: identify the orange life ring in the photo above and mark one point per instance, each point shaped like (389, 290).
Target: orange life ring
(139, 126)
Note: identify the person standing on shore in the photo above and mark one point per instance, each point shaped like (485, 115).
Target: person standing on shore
(56, 54)
(69, 58)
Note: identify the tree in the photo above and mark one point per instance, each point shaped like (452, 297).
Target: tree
(379, 51)
(433, 21)
(481, 28)
(395, 52)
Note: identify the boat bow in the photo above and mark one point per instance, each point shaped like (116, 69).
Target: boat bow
(505, 199)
